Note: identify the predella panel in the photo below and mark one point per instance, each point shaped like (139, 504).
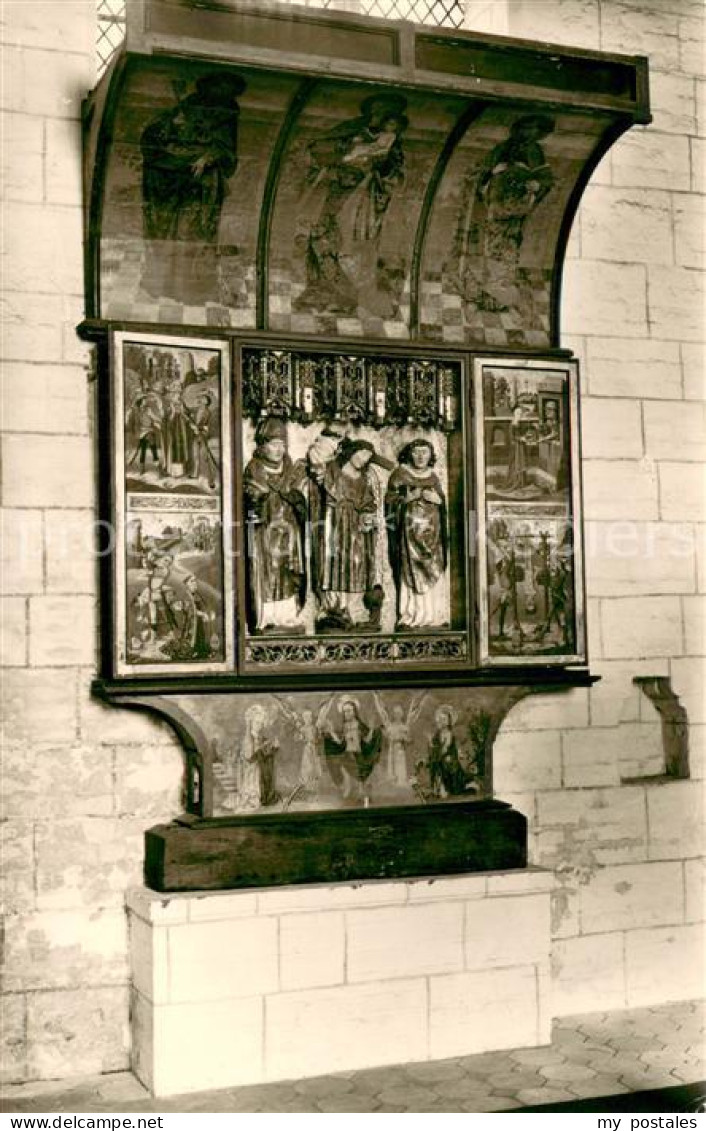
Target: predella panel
(342, 750)
(313, 751)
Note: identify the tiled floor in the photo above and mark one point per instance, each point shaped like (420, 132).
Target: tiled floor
(591, 1055)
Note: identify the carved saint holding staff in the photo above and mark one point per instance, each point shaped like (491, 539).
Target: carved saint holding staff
(349, 534)
(276, 518)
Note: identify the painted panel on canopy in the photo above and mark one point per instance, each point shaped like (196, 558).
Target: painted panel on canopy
(491, 242)
(350, 194)
(184, 190)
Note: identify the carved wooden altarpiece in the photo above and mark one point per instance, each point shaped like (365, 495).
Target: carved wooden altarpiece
(338, 438)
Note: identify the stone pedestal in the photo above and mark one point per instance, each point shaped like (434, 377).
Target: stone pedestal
(269, 984)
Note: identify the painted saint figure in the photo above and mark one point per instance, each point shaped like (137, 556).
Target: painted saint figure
(203, 463)
(255, 767)
(309, 728)
(524, 441)
(513, 179)
(352, 752)
(177, 436)
(157, 616)
(145, 421)
(448, 776)
(551, 446)
(415, 510)
(276, 517)
(189, 154)
(506, 574)
(189, 151)
(195, 634)
(348, 539)
(311, 769)
(559, 584)
(354, 170)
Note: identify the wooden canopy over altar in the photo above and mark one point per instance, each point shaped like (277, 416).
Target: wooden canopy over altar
(369, 178)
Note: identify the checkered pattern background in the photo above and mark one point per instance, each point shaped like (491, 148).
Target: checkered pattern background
(445, 317)
(284, 290)
(122, 263)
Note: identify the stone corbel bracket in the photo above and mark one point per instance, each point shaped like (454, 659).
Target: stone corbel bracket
(675, 723)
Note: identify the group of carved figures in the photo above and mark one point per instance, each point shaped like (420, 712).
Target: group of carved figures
(314, 525)
(351, 754)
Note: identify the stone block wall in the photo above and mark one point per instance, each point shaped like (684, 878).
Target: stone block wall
(628, 857)
(81, 782)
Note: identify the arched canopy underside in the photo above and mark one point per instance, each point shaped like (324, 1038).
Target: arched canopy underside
(323, 174)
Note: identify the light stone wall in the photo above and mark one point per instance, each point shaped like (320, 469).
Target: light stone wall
(82, 782)
(629, 857)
